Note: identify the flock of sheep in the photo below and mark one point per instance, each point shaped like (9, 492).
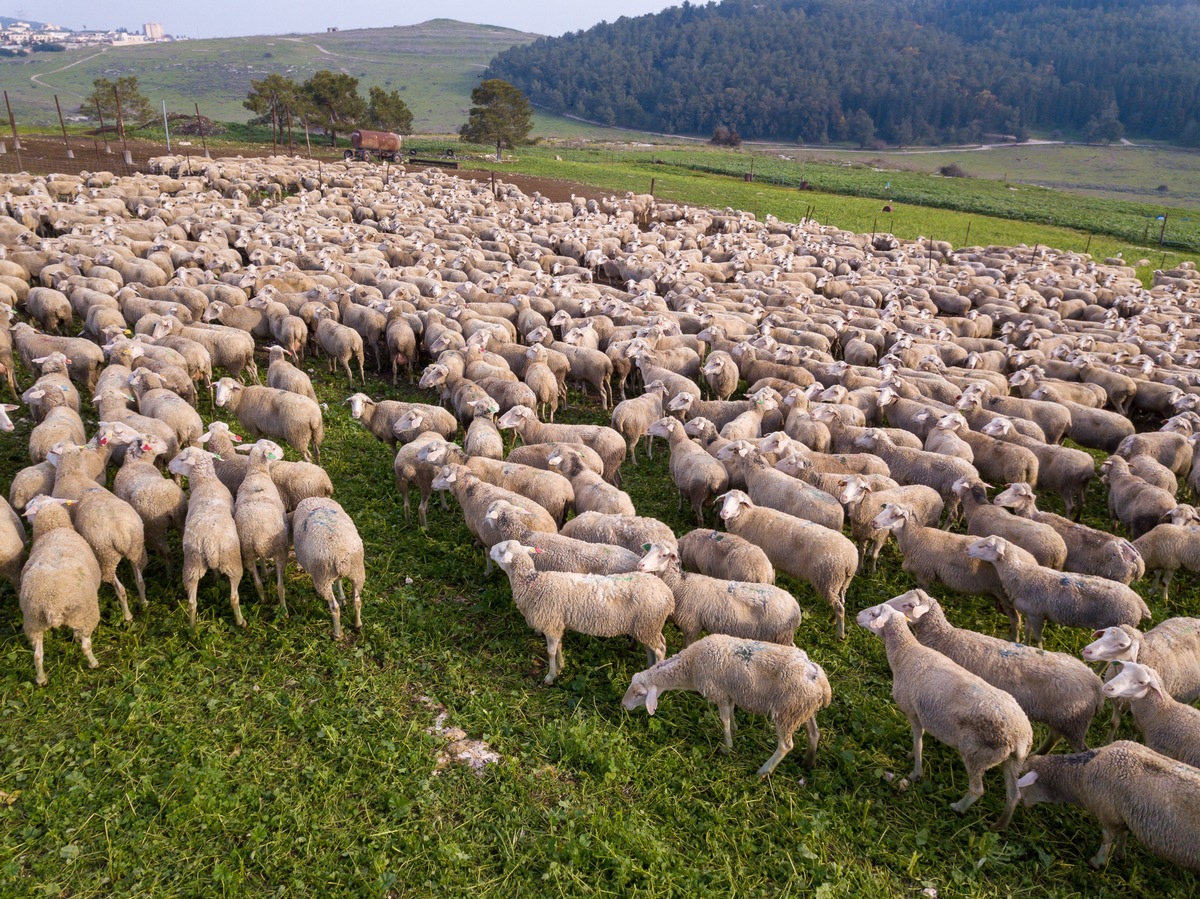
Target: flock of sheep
(889, 384)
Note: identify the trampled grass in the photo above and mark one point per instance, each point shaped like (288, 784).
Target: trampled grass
(273, 761)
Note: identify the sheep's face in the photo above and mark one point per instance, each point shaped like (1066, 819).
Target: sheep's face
(1015, 495)
(1032, 789)
(1109, 645)
(409, 421)
(659, 557)
(891, 518)
(515, 417)
(713, 366)
(224, 390)
(853, 488)
(445, 479)
(41, 502)
(913, 605)
(1133, 682)
(876, 618)
(733, 504)
(997, 427)
(664, 427)
(989, 549)
(641, 692)
(681, 402)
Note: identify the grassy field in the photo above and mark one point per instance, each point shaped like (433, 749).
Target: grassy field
(273, 761)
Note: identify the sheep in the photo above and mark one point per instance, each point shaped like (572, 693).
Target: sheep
(421, 417)
(50, 307)
(380, 417)
(407, 470)
(1051, 688)
(630, 532)
(536, 455)
(738, 608)
(553, 602)
(261, 520)
(1061, 469)
(267, 412)
(1081, 600)
(942, 438)
(401, 343)
(159, 501)
(475, 495)
(764, 678)
(1094, 428)
(483, 437)
(609, 444)
(933, 556)
(1172, 649)
(1172, 545)
(1167, 447)
(296, 480)
(1167, 725)
(229, 348)
(775, 490)
(863, 502)
(547, 490)
(1052, 418)
(1154, 473)
(720, 374)
(86, 359)
(985, 520)
(592, 493)
(60, 583)
(12, 545)
(809, 552)
(330, 550)
(62, 424)
(210, 539)
(155, 401)
(1133, 502)
(697, 475)
(1130, 789)
(725, 556)
(997, 461)
(1089, 551)
(112, 409)
(31, 481)
(53, 387)
(632, 418)
(282, 375)
(554, 552)
(985, 724)
(543, 382)
(341, 344)
(110, 525)
(910, 466)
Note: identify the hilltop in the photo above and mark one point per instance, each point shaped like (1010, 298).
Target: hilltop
(434, 65)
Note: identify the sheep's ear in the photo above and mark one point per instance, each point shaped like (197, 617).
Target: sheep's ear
(205, 437)
(651, 699)
(1027, 780)
(919, 610)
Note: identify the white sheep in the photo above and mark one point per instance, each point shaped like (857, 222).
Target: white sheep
(329, 548)
(267, 412)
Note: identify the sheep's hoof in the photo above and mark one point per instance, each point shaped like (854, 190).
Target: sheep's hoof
(41, 680)
(724, 750)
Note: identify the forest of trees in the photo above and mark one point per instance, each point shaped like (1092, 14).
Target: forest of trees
(900, 71)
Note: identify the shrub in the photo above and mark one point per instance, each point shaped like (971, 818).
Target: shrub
(953, 170)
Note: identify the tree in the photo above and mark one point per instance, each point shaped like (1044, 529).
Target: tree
(861, 127)
(134, 104)
(501, 116)
(334, 100)
(1106, 127)
(387, 112)
(274, 92)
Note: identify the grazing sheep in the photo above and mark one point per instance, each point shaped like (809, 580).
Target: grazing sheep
(985, 520)
(379, 417)
(1061, 469)
(984, 723)
(1078, 600)
(1089, 551)
(1169, 546)
(408, 470)
(261, 520)
(1131, 500)
(773, 489)
(807, 551)
(1052, 688)
(697, 475)
(607, 443)
(553, 602)
(1130, 789)
(632, 418)
(267, 412)
(765, 678)
(738, 608)
(863, 502)
(62, 424)
(421, 417)
(554, 552)
(1168, 725)
(909, 466)
(341, 344)
(725, 556)
(592, 493)
(329, 548)
(60, 584)
(12, 546)
(628, 531)
(210, 539)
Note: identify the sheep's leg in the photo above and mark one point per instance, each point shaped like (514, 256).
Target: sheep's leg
(1106, 844)
(1166, 583)
(234, 601)
(85, 643)
(974, 790)
(1051, 741)
(1012, 793)
(191, 580)
(656, 649)
(784, 747)
(649, 447)
(39, 652)
(918, 733)
(361, 375)
(1014, 624)
(553, 651)
(1033, 629)
(725, 706)
(122, 597)
(814, 736)
(358, 588)
(335, 610)
(1114, 723)
(280, 565)
(258, 584)
(698, 508)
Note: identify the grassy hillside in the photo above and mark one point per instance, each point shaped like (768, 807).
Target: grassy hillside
(434, 65)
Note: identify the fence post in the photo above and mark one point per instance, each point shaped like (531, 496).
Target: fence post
(121, 131)
(103, 133)
(16, 140)
(166, 127)
(200, 126)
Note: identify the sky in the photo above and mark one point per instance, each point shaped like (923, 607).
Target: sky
(232, 18)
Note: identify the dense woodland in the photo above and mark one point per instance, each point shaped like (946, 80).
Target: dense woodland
(815, 71)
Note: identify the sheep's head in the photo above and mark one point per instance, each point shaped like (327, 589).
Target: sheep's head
(914, 604)
(737, 449)
(892, 517)
(698, 426)
(448, 475)
(664, 427)
(733, 504)
(515, 417)
(53, 362)
(434, 375)
(1015, 496)
(659, 557)
(1133, 682)
(224, 390)
(997, 427)
(681, 402)
(871, 438)
(484, 408)
(508, 551)
(988, 549)
(147, 447)
(1112, 644)
(502, 509)
(41, 502)
(714, 365)
(854, 489)
(188, 460)
(642, 691)
(876, 618)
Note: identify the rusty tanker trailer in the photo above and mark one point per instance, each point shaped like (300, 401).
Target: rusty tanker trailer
(368, 145)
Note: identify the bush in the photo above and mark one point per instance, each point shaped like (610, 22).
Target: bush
(953, 170)
(725, 137)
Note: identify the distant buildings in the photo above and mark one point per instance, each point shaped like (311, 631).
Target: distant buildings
(22, 37)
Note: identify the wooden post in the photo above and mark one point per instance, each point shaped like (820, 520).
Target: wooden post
(121, 130)
(1088, 245)
(494, 195)
(166, 127)
(96, 142)
(1163, 232)
(200, 126)
(274, 130)
(874, 225)
(103, 133)
(66, 143)
(16, 140)
(651, 187)
(967, 236)
(307, 142)
(291, 138)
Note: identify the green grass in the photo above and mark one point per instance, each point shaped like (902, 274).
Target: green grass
(272, 760)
